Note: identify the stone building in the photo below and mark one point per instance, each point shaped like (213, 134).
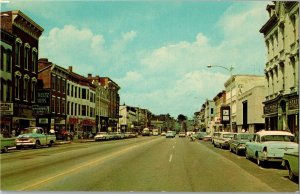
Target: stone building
(236, 85)
(281, 34)
(249, 109)
(220, 100)
(24, 65)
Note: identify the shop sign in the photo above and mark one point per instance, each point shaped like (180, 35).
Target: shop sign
(43, 120)
(6, 108)
(294, 103)
(270, 108)
(40, 110)
(225, 114)
(43, 97)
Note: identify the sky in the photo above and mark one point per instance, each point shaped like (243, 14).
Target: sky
(156, 51)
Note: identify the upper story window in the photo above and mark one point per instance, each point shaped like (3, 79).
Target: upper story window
(58, 84)
(8, 92)
(17, 85)
(72, 90)
(83, 93)
(68, 89)
(26, 88)
(63, 86)
(33, 89)
(53, 81)
(26, 56)
(17, 51)
(75, 91)
(8, 61)
(2, 58)
(34, 59)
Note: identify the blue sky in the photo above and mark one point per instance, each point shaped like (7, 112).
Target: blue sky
(157, 51)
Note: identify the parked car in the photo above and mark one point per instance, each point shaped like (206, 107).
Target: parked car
(238, 143)
(182, 134)
(222, 140)
(200, 135)
(270, 146)
(214, 136)
(163, 134)
(101, 136)
(291, 162)
(207, 138)
(34, 137)
(6, 143)
(170, 134)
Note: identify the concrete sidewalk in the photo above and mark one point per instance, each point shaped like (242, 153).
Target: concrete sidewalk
(60, 142)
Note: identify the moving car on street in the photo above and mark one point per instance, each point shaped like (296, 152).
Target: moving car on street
(146, 132)
(170, 134)
(238, 143)
(182, 134)
(102, 136)
(270, 146)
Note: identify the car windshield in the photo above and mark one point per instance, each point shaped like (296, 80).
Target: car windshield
(287, 138)
(228, 135)
(28, 130)
(246, 136)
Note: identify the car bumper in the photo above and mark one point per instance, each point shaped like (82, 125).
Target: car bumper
(271, 159)
(25, 144)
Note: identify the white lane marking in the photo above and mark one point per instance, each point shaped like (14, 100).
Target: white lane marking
(170, 159)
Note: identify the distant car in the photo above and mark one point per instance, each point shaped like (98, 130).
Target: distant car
(170, 134)
(222, 140)
(238, 143)
(270, 146)
(102, 136)
(163, 134)
(182, 134)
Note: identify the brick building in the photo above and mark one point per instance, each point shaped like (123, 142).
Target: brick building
(24, 65)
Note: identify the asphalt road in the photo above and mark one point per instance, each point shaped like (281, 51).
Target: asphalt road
(140, 164)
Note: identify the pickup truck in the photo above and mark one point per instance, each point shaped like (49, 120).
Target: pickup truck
(6, 143)
(291, 162)
(34, 137)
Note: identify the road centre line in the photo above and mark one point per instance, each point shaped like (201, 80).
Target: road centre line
(83, 166)
(170, 159)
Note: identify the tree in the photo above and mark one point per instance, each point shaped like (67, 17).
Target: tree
(182, 120)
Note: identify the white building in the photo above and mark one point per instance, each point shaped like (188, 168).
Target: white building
(281, 33)
(236, 85)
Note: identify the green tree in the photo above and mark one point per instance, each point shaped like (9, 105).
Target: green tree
(182, 120)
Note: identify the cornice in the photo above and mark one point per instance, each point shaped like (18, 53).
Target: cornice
(270, 23)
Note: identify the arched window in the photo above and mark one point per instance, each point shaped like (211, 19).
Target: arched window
(17, 51)
(18, 76)
(34, 58)
(26, 87)
(33, 89)
(26, 56)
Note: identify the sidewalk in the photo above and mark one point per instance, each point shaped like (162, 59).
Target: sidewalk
(60, 142)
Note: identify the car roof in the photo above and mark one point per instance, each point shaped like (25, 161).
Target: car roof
(263, 132)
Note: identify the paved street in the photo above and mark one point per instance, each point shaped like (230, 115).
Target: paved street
(139, 164)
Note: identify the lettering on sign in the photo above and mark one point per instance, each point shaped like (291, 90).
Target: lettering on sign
(6, 108)
(293, 104)
(43, 97)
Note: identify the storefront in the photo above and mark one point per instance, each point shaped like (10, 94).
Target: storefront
(293, 113)
(271, 115)
(6, 110)
(88, 127)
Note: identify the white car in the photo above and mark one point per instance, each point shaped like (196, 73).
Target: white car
(270, 146)
(100, 136)
(222, 140)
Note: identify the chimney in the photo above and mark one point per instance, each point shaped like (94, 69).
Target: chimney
(70, 69)
(89, 75)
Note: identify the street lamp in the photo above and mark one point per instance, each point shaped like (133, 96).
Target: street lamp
(230, 70)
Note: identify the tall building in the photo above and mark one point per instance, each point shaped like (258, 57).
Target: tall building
(281, 34)
(220, 100)
(24, 65)
(6, 106)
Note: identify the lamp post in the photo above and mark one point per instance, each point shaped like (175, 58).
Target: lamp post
(230, 70)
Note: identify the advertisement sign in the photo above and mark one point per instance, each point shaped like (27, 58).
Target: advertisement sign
(43, 97)
(6, 108)
(40, 110)
(225, 114)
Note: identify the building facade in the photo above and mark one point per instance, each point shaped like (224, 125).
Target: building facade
(281, 34)
(6, 101)
(249, 109)
(220, 100)
(24, 66)
(50, 109)
(236, 85)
